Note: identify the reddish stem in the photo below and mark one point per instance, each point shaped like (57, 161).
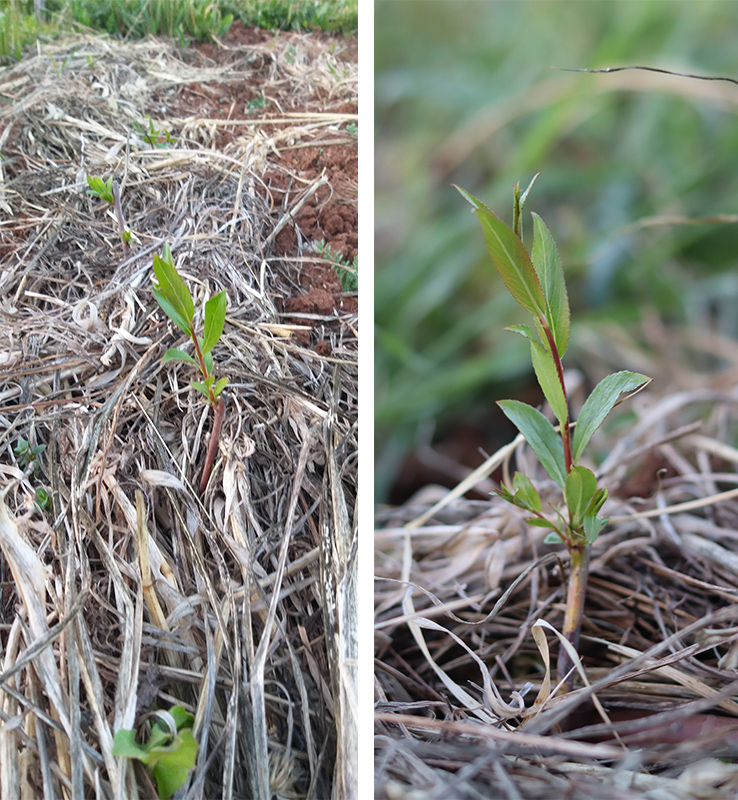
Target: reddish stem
(203, 370)
(213, 446)
(565, 433)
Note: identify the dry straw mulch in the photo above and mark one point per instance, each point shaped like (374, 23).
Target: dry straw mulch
(468, 599)
(130, 592)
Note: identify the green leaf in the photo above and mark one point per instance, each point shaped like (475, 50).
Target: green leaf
(552, 538)
(510, 258)
(201, 388)
(539, 522)
(593, 526)
(525, 495)
(208, 359)
(173, 767)
(173, 354)
(540, 435)
(548, 378)
(547, 263)
(215, 311)
(599, 404)
(173, 288)
(124, 744)
(523, 330)
(171, 312)
(99, 188)
(598, 500)
(219, 386)
(581, 485)
(182, 717)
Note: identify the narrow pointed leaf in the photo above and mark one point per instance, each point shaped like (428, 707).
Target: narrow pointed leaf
(208, 359)
(510, 258)
(599, 404)
(524, 196)
(219, 386)
(580, 488)
(215, 311)
(547, 263)
(548, 378)
(171, 311)
(173, 354)
(540, 435)
(173, 288)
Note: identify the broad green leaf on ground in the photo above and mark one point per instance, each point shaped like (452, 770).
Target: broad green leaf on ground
(510, 258)
(173, 289)
(173, 763)
(540, 435)
(547, 263)
(548, 378)
(581, 486)
(599, 404)
(215, 311)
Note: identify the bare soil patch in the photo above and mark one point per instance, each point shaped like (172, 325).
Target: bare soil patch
(254, 580)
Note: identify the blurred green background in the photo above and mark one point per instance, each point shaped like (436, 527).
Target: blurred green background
(465, 94)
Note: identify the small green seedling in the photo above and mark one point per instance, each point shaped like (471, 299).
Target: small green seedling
(109, 191)
(26, 454)
(156, 138)
(347, 271)
(100, 188)
(170, 753)
(256, 104)
(352, 128)
(174, 297)
(536, 282)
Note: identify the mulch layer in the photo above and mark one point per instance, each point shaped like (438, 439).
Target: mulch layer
(123, 590)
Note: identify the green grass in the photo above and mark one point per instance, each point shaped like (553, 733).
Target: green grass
(465, 94)
(185, 20)
(338, 16)
(18, 27)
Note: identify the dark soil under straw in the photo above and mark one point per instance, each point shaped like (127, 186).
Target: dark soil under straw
(460, 590)
(246, 615)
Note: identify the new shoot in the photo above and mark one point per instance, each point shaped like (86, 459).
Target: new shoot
(536, 282)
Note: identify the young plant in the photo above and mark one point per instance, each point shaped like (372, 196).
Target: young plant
(156, 138)
(347, 271)
(175, 300)
(109, 191)
(170, 753)
(536, 282)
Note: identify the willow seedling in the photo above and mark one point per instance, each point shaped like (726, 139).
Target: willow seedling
(174, 297)
(536, 282)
